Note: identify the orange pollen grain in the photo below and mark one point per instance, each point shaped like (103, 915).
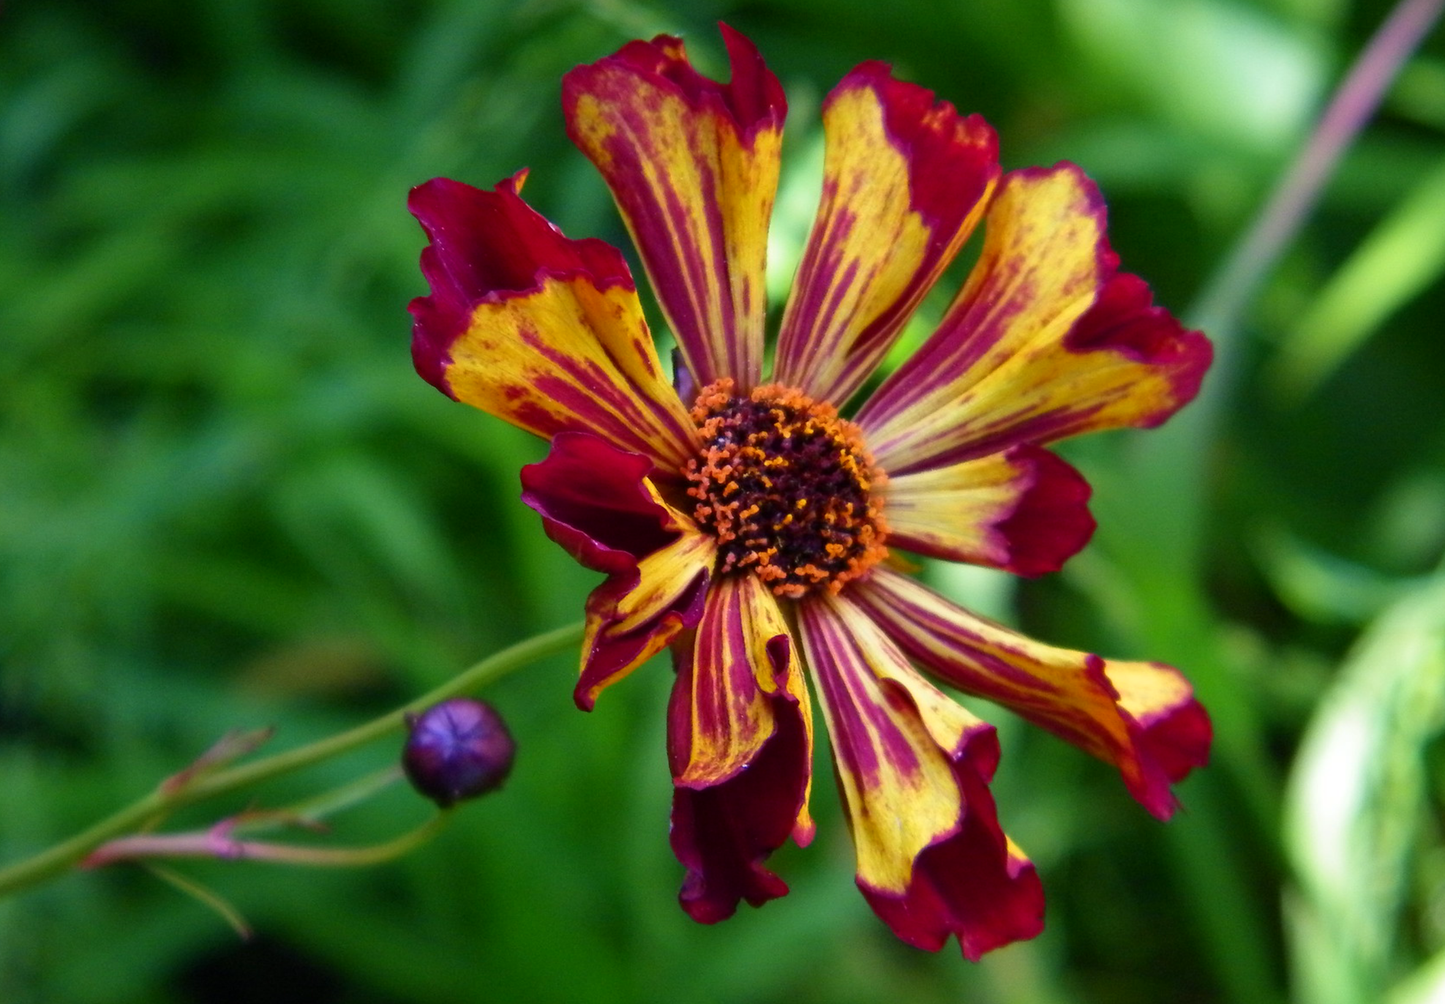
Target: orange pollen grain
(787, 487)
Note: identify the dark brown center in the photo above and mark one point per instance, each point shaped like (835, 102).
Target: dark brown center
(787, 487)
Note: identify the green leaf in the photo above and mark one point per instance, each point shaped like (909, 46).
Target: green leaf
(1401, 258)
(1355, 803)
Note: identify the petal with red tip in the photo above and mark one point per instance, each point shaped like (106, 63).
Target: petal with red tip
(914, 770)
(634, 615)
(1046, 340)
(597, 502)
(542, 331)
(693, 165)
(905, 180)
(986, 908)
(740, 746)
(1139, 716)
(1024, 511)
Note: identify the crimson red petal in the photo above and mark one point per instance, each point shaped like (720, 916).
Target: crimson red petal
(753, 99)
(1052, 522)
(593, 501)
(723, 833)
(612, 648)
(596, 501)
(1178, 739)
(1124, 318)
(959, 887)
(484, 243)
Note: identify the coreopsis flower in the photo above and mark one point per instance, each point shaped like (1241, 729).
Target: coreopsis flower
(745, 523)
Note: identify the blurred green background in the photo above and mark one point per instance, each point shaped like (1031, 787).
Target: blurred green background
(227, 501)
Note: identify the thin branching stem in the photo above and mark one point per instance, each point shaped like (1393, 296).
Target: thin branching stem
(63, 856)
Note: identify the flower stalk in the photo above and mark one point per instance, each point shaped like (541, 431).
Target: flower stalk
(199, 786)
(1223, 301)
(219, 842)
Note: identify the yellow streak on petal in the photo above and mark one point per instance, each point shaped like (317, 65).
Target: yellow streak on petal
(1052, 687)
(693, 165)
(911, 799)
(1039, 261)
(1016, 854)
(749, 184)
(955, 508)
(1046, 685)
(1147, 688)
(663, 576)
(1038, 273)
(665, 573)
(594, 128)
(720, 749)
(521, 352)
(867, 247)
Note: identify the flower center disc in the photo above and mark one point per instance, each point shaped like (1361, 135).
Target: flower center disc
(787, 487)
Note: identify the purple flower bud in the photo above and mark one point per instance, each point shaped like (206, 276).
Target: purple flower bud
(457, 749)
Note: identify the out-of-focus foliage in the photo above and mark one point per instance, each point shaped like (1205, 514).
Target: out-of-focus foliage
(1355, 803)
(226, 501)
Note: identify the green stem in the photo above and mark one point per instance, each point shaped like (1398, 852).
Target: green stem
(61, 857)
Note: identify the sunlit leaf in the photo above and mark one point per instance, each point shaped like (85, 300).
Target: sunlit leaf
(1402, 257)
(1356, 803)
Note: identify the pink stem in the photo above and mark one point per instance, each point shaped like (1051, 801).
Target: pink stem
(1352, 105)
(217, 842)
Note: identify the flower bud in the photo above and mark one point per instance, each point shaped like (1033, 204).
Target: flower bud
(457, 749)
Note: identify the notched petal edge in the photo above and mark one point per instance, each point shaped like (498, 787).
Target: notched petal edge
(739, 741)
(486, 244)
(1141, 717)
(914, 768)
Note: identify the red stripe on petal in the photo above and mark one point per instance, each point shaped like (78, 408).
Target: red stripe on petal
(542, 331)
(740, 748)
(1139, 716)
(905, 180)
(636, 614)
(693, 165)
(1044, 341)
(723, 833)
(913, 767)
(1024, 511)
(752, 99)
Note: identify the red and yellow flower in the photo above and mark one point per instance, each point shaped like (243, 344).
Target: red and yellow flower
(745, 524)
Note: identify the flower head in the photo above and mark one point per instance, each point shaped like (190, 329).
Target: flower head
(746, 524)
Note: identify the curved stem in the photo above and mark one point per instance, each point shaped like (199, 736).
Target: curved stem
(57, 859)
